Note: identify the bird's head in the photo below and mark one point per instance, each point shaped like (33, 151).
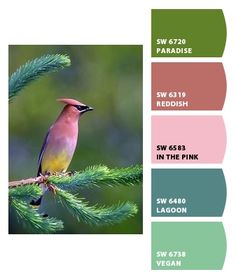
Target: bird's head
(75, 106)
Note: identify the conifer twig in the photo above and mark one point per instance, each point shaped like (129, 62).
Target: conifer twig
(97, 176)
(65, 183)
(94, 215)
(33, 69)
(33, 220)
(27, 181)
(28, 192)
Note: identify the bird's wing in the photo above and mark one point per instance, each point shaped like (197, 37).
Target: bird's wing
(42, 152)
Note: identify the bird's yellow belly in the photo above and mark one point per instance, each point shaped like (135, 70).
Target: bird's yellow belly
(55, 163)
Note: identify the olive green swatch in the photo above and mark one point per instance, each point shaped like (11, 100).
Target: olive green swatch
(188, 192)
(203, 31)
(188, 245)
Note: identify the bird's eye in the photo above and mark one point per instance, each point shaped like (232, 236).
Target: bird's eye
(78, 107)
(81, 108)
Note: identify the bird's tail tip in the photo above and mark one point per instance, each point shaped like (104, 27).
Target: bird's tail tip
(37, 202)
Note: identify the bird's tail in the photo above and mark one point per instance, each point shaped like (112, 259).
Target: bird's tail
(36, 202)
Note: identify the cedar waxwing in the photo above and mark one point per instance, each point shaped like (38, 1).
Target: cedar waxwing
(61, 140)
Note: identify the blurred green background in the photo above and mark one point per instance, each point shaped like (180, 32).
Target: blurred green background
(108, 78)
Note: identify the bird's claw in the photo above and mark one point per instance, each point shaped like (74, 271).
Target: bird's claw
(71, 173)
(52, 188)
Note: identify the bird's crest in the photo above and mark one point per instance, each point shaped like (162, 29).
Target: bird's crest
(71, 102)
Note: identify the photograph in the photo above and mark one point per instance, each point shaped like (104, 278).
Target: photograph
(75, 139)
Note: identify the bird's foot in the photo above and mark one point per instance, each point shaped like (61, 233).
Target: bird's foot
(52, 188)
(60, 174)
(70, 173)
(63, 173)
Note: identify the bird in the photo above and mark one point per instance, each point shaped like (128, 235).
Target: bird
(61, 139)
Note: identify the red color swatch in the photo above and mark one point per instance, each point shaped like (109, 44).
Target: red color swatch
(188, 86)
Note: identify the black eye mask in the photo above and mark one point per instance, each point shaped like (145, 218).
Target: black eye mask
(83, 108)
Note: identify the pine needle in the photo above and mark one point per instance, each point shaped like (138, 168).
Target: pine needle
(27, 192)
(33, 69)
(97, 176)
(35, 222)
(96, 215)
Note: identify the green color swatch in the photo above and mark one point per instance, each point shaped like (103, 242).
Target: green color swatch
(188, 33)
(188, 192)
(188, 245)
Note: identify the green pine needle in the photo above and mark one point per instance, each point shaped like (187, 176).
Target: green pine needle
(26, 192)
(33, 220)
(33, 69)
(96, 215)
(98, 176)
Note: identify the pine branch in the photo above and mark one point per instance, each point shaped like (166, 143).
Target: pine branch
(33, 69)
(27, 181)
(34, 221)
(94, 176)
(96, 215)
(97, 176)
(20, 192)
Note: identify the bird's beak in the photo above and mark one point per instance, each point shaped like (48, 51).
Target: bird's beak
(89, 108)
(85, 110)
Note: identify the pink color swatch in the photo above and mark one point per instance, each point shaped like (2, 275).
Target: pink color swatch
(188, 139)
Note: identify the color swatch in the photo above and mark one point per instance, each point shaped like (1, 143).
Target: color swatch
(188, 86)
(188, 192)
(188, 33)
(188, 139)
(188, 245)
